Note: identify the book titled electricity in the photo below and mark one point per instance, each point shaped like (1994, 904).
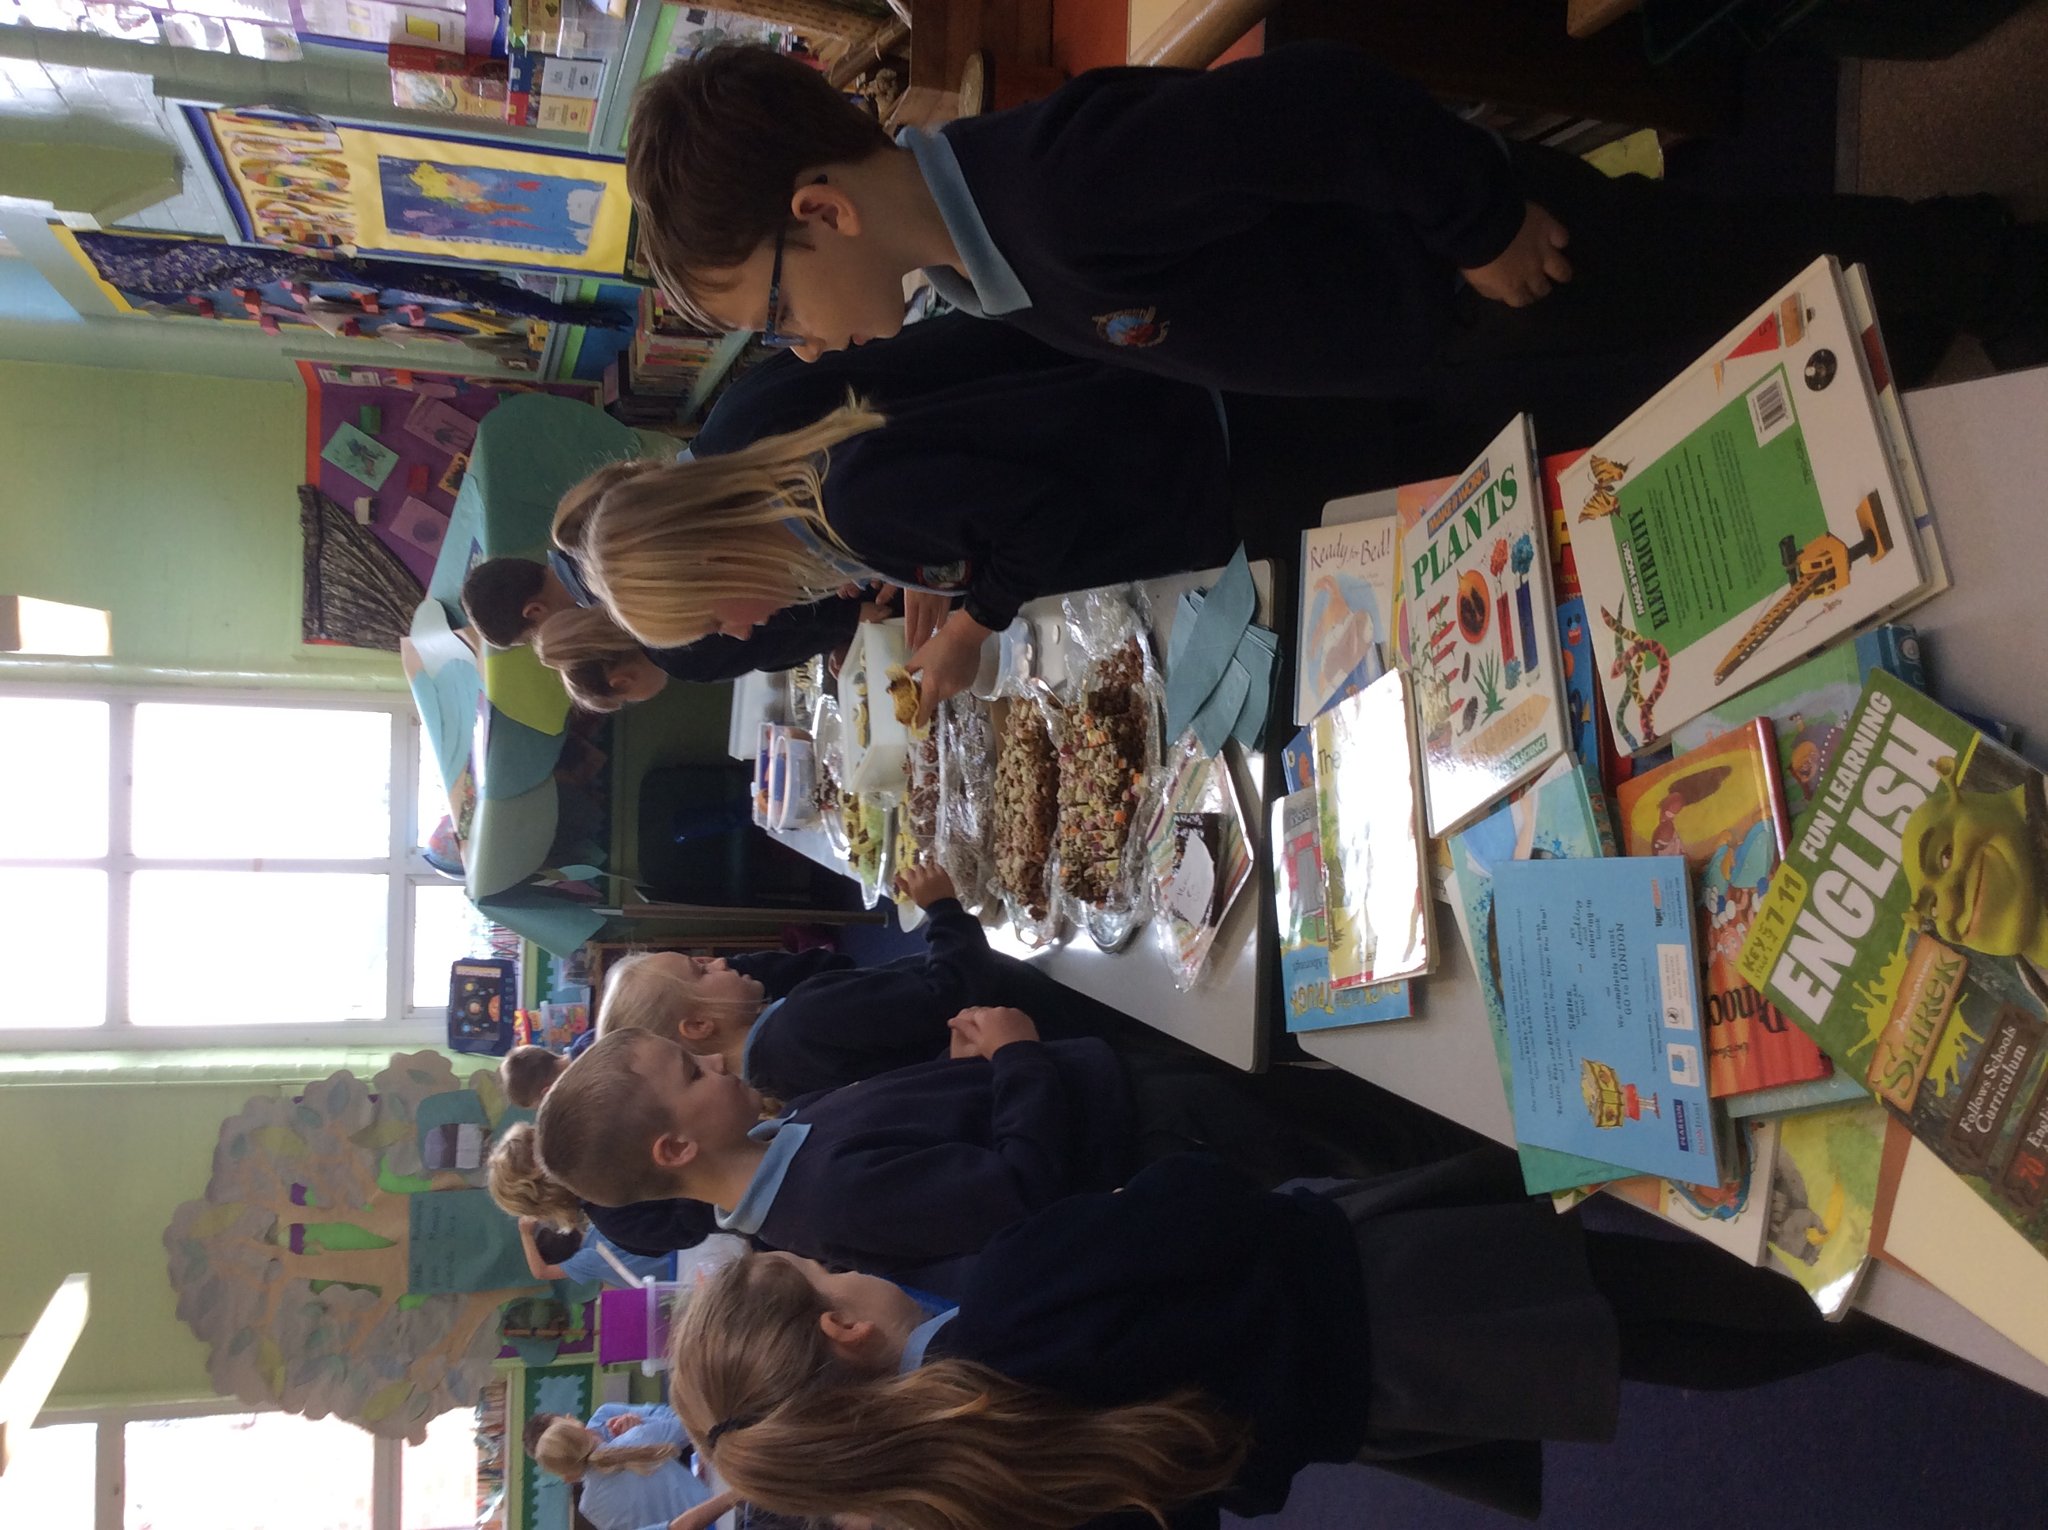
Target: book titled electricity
(1750, 513)
(1907, 933)
(1476, 630)
(1601, 990)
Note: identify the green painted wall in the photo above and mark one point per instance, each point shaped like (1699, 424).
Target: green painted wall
(170, 500)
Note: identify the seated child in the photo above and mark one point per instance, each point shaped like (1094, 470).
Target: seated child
(559, 1253)
(1147, 1357)
(629, 1462)
(844, 1023)
(911, 1168)
(522, 1188)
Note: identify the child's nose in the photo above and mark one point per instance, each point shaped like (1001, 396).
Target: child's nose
(811, 350)
(712, 1063)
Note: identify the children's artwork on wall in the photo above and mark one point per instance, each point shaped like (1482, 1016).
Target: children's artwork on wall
(299, 1269)
(455, 309)
(425, 423)
(313, 184)
(358, 592)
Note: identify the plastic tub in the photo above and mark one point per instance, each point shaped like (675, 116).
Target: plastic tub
(877, 758)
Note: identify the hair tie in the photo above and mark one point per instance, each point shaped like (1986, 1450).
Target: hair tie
(726, 1426)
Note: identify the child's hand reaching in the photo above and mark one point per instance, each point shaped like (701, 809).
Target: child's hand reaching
(618, 1426)
(985, 1032)
(926, 883)
(1523, 272)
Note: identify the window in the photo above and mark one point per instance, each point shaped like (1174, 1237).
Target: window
(217, 1466)
(186, 865)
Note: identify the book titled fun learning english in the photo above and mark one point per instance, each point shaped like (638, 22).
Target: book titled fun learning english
(1907, 933)
(1476, 630)
(1750, 513)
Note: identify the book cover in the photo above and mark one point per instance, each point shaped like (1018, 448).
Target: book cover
(1824, 1195)
(1748, 514)
(1347, 602)
(1475, 627)
(1368, 810)
(1313, 1002)
(1907, 932)
(1734, 1215)
(1721, 808)
(1592, 739)
(1562, 816)
(1598, 978)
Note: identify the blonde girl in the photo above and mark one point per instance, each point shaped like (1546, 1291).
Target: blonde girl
(522, 1188)
(1191, 1342)
(973, 496)
(629, 1461)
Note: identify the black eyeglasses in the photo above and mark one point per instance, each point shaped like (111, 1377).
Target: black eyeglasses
(770, 335)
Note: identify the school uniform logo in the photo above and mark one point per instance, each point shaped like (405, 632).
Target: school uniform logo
(944, 576)
(1137, 327)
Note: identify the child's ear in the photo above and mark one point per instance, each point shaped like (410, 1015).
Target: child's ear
(851, 1337)
(534, 610)
(822, 202)
(673, 1152)
(695, 1028)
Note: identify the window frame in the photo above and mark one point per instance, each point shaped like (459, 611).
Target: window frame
(404, 864)
(110, 1460)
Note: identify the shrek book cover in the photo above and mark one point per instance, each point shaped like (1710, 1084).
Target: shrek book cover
(1476, 628)
(1907, 933)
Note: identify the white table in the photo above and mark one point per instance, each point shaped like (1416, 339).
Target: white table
(1982, 446)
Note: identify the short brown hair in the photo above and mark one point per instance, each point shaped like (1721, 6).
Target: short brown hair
(714, 151)
(495, 594)
(525, 1074)
(599, 1123)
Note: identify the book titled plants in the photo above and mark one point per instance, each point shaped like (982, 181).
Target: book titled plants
(1475, 627)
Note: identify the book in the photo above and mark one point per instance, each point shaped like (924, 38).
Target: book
(1599, 984)
(1347, 603)
(1808, 705)
(1312, 1002)
(1721, 807)
(1592, 739)
(1824, 1196)
(1734, 1215)
(1749, 514)
(1475, 628)
(1561, 816)
(1369, 815)
(1907, 932)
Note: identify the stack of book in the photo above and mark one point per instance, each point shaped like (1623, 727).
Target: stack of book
(648, 382)
(1742, 901)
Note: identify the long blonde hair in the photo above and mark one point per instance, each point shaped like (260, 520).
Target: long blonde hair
(639, 996)
(566, 1450)
(948, 1446)
(522, 1188)
(583, 644)
(661, 542)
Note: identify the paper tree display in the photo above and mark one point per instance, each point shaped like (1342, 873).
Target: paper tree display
(331, 1270)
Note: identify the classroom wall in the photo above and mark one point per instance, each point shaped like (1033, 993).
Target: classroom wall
(170, 500)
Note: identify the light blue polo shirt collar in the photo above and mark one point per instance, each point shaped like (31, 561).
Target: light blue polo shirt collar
(783, 1137)
(990, 287)
(920, 1340)
(747, 1046)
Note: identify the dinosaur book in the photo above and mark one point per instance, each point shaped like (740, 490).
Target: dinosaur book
(1907, 933)
(1476, 630)
(1752, 512)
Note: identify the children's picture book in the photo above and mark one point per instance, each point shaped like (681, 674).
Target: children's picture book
(364, 458)
(1561, 816)
(1475, 627)
(1907, 932)
(1592, 739)
(1735, 1214)
(1347, 604)
(1720, 806)
(1600, 986)
(1313, 1002)
(1369, 815)
(1746, 516)
(1824, 1194)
